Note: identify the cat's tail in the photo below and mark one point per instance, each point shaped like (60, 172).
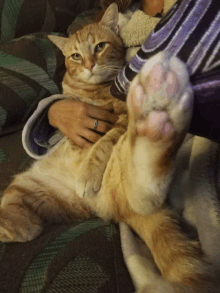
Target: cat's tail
(210, 284)
(163, 286)
(182, 264)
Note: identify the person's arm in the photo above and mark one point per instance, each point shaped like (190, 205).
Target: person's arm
(38, 135)
(77, 120)
(206, 112)
(58, 116)
(177, 34)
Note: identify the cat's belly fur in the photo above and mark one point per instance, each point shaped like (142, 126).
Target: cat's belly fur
(58, 170)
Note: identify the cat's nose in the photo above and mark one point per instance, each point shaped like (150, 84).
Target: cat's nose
(90, 65)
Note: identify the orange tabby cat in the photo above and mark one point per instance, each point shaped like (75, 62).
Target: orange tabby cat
(124, 177)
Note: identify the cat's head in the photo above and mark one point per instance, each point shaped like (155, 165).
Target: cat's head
(94, 54)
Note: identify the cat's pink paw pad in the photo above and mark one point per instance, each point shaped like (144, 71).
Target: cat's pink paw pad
(158, 75)
(156, 127)
(136, 98)
(172, 85)
(160, 98)
(161, 80)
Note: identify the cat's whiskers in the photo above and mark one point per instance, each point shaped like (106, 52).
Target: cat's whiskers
(86, 74)
(99, 73)
(110, 68)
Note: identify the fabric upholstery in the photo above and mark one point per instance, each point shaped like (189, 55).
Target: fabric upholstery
(82, 257)
(22, 17)
(31, 68)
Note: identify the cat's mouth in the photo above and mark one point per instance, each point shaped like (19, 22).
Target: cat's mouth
(89, 74)
(94, 77)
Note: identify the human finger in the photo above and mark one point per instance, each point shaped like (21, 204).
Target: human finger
(101, 114)
(82, 142)
(90, 135)
(109, 107)
(77, 137)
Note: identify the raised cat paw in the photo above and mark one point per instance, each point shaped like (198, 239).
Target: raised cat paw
(161, 99)
(160, 102)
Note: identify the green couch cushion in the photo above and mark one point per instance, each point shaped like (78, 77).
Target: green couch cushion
(22, 17)
(31, 68)
(82, 257)
(13, 159)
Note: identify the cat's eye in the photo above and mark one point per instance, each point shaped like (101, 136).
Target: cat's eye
(76, 56)
(100, 47)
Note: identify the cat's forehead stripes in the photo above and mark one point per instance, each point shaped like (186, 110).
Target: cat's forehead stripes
(94, 33)
(83, 35)
(74, 47)
(87, 43)
(76, 35)
(90, 38)
(84, 42)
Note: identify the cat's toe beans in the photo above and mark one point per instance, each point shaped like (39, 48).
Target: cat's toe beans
(135, 99)
(181, 112)
(163, 81)
(167, 132)
(186, 101)
(158, 75)
(156, 127)
(156, 119)
(172, 85)
(160, 98)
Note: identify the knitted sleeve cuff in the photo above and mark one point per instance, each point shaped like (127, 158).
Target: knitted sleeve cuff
(38, 135)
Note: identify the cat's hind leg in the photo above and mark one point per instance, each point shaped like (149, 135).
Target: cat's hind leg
(160, 103)
(32, 201)
(17, 222)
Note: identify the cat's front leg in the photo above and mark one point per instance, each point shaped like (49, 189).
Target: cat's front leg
(160, 103)
(91, 170)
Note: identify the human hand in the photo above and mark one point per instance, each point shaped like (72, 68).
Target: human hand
(77, 120)
(153, 7)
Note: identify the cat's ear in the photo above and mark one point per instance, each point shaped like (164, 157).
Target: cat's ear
(60, 42)
(110, 17)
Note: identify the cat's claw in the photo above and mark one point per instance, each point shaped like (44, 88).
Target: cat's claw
(161, 99)
(88, 184)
